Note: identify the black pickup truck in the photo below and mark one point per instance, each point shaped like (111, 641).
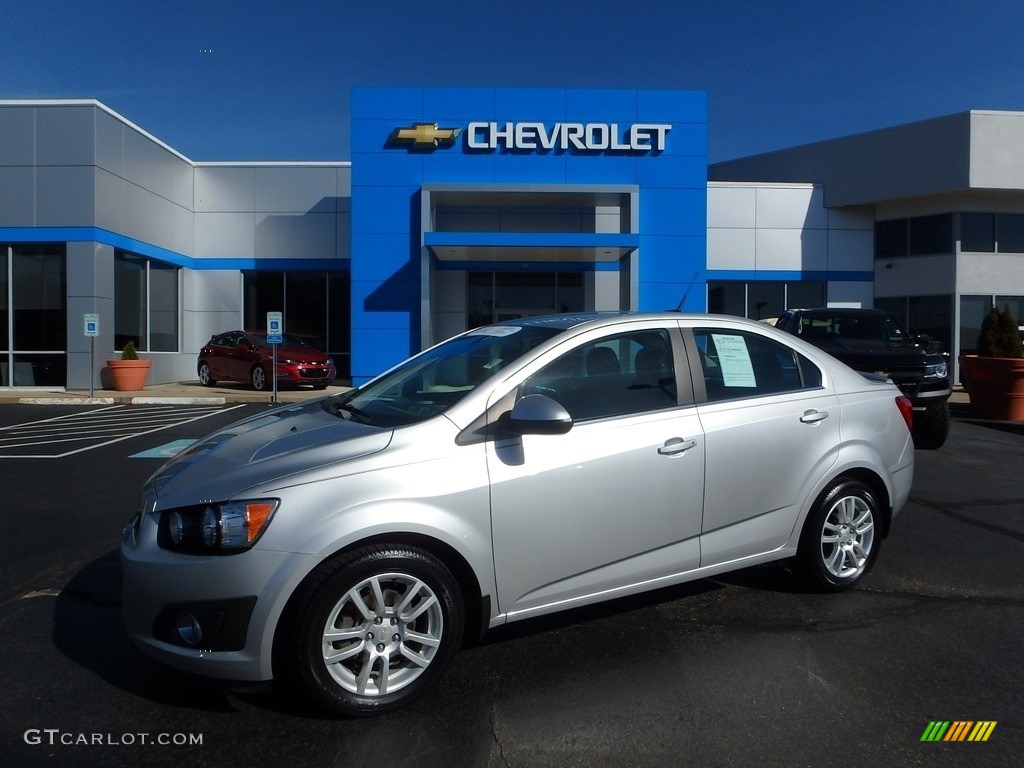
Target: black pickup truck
(874, 342)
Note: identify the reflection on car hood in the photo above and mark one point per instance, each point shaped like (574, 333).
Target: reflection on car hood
(264, 448)
(868, 354)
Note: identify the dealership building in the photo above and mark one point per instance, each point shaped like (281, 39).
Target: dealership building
(461, 207)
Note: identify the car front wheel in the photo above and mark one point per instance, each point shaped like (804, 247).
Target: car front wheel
(373, 630)
(841, 537)
(258, 377)
(205, 376)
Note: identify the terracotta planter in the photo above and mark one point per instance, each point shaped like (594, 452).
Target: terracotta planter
(129, 375)
(995, 386)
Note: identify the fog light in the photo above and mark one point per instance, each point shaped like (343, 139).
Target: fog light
(188, 628)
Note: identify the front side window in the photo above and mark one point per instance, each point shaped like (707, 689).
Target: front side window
(623, 374)
(739, 364)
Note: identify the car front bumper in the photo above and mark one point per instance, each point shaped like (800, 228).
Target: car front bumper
(208, 615)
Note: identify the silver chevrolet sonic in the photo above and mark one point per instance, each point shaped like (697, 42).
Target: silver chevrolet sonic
(351, 544)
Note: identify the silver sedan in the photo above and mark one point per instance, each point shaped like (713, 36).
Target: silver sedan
(349, 545)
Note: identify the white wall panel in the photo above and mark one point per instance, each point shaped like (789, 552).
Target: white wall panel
(294, 189)
(791, 249)
(222, 190)
(225, 235)
(731, 249)
(790, 207)
(731, 206)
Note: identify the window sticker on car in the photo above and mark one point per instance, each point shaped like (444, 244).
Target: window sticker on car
(734, 358)
(495, 330)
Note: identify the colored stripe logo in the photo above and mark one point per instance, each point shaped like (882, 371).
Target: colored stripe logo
(958, 730)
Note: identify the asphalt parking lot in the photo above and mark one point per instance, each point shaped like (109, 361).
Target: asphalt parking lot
(741, 671)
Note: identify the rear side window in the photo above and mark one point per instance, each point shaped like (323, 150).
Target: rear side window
(739, 364)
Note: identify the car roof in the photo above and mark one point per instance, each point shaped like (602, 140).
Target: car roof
(833, 311)
(564, 322)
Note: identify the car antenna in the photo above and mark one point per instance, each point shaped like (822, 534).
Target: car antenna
(682, 301)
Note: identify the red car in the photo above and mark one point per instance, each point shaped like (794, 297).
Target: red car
(248, 356)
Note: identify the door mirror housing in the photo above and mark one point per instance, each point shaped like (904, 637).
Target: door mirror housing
(539, 415)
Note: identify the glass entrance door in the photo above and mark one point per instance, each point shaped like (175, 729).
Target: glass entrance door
(494, 297)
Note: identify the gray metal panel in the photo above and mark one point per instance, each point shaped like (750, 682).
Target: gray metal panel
(225, 235)
(295, 189)
(18, 129)
(65, 196)
(110, 197)
(152, 167)
(223, 190)
(65, 135)
(156, 220)
(110, 142)
(17, 196)
(308, 236)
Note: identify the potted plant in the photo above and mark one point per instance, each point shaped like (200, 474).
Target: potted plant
(129, 373)
(994, 378)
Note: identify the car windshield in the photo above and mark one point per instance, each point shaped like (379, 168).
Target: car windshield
(435, 380)
(853, 327)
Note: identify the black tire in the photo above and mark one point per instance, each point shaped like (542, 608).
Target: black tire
(204, 376)
(374, 671)
(258, 378)
(931, 427)
(847, 514)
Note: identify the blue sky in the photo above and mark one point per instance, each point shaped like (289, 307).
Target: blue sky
(228, 80)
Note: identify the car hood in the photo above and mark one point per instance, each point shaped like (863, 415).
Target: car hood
(262, 449)
(297, 353)
(870, 355)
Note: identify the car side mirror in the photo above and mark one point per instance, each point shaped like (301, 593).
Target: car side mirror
(539, 415)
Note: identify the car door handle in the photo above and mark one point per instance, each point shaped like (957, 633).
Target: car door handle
(813, 417)
(676, 445)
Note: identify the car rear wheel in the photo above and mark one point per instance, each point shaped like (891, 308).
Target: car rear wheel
(205, 376)
(841, 537)
(258, 377)
(373, 630)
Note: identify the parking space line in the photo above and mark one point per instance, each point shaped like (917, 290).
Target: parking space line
(101, 427)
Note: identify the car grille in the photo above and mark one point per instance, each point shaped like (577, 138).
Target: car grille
(313, 373)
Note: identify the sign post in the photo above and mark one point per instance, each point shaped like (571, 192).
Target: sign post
(275, 335)
(92, 330)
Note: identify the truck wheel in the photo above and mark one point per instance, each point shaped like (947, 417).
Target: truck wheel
(931, 427)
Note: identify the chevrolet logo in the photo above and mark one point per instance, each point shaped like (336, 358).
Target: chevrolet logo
(425, 135)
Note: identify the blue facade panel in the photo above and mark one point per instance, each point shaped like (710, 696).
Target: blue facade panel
(653, 140)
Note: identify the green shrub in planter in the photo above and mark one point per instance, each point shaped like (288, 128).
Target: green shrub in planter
(1000, 336)
(129, 352)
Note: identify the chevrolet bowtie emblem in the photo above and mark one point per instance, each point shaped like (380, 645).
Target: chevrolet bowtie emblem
(425, 135)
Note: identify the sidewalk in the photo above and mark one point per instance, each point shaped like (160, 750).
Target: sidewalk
(177, 393)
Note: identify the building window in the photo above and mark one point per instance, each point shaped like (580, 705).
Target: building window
(33, 316)
(917, 236)
(315, 305)
(978, 232)
(145, 303)
(763, 299)
(1010, 233)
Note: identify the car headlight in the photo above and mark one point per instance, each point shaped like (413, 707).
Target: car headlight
(230, 526)
(938, 371)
